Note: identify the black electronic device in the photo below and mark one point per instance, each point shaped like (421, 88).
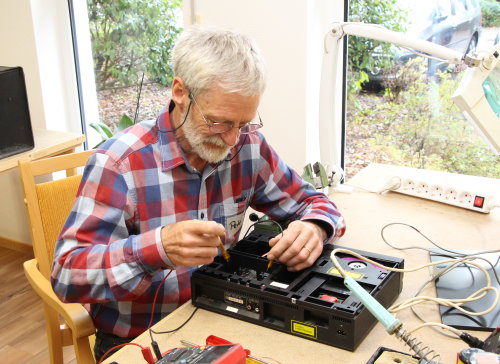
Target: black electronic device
(15, 122)
(312, 303)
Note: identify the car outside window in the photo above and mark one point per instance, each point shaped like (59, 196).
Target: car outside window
(403, 114)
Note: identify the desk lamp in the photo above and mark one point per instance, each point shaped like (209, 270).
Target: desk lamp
(478, 97)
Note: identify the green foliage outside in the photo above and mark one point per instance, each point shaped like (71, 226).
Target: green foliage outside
(490, 9)
(131, 37)
(414, 122)
(361, 50)
(421, 127)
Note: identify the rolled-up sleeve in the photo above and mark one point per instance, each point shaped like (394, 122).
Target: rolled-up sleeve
(97, 259)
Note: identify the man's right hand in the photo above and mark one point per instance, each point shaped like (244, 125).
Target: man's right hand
(192, 242)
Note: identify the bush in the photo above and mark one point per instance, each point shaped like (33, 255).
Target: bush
(490, 10)
(361, 49)
(131, 37)
(421, 127)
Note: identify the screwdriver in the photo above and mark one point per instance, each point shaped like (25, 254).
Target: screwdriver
(269, 263)
(224, 252)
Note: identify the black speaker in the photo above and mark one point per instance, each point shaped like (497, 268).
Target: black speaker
(16, 133)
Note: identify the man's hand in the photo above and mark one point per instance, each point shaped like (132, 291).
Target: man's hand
(192, 242)
(299, 246)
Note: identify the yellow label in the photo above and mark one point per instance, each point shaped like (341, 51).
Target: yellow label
(303, 329)
(335, 271)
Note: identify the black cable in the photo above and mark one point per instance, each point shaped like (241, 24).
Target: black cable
(238, 152)
(452, 253)
(261, 222)
(151, 331)
(156, 349)
(155, 345)
(177, 127)
(472, 341)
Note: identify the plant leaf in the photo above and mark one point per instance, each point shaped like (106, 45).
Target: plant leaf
(103, 130)
(124, 123)
(98, 144)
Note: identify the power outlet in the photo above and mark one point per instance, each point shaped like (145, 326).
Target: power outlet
(451, 195)
(479, 194)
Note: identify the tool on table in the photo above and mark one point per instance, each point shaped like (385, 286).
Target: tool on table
(215, 354)
(215, 340)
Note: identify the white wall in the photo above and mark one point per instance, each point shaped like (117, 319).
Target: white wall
(36, 36)
(290, 35)
(18, 48)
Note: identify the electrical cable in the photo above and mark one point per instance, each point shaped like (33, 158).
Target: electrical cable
(456, 259)
(154, 344)
(177, 328)
(260, 221)
(146, 353)
(467, 338)
(452, 253)
(154, 299)
(394, 325)
(177, 127)
(454, 303)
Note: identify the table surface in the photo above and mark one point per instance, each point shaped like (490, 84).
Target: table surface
(47, 143)
(366, 214)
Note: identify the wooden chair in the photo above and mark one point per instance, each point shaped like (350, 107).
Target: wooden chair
(48, 205)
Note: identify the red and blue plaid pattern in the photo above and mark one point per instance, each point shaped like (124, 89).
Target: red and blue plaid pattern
(110, 254)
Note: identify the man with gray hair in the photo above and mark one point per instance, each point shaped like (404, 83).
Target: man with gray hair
(158, 199)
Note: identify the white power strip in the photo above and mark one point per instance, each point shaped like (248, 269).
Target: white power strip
(433, 190)
(469, 192)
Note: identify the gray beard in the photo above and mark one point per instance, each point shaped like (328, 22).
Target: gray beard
(202, 145)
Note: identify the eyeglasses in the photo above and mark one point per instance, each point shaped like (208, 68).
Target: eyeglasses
(219, 128)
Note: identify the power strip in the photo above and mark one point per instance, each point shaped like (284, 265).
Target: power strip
(465, 198)
(479, 194)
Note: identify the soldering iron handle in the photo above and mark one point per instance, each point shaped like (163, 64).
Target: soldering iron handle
(390, 323)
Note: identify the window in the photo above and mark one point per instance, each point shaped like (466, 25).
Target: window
(123, 54)
(399, 108)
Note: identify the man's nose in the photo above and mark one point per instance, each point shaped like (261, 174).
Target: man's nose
(230, 137)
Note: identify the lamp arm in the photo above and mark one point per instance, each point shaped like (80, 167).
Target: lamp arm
(378, 32)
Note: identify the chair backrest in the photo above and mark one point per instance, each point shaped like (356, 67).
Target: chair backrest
(49, 203)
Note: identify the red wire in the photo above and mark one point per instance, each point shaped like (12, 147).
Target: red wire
(116, 347)
(149, 325)
(154, 300)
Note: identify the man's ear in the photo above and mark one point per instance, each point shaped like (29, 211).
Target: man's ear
(180, 93)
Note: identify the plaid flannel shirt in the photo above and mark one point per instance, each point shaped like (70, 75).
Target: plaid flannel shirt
(109, 253)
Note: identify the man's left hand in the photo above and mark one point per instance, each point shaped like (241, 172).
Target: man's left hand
(299, 246)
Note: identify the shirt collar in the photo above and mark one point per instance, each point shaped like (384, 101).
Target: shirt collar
(170, 151)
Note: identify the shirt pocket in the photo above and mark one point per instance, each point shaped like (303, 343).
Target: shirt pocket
(231, 215)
